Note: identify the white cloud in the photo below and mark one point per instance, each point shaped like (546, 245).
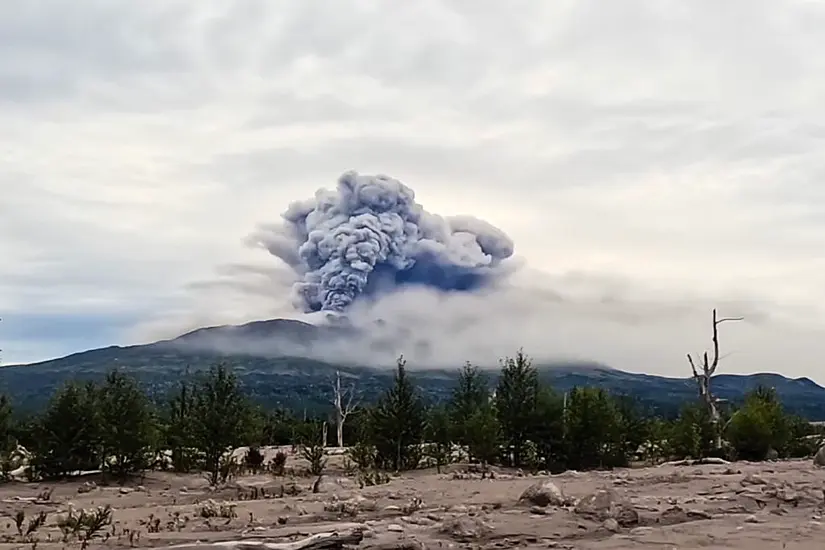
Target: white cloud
(669, 152)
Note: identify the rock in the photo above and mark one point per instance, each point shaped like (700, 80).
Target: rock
(673, 516)
(752, 519)
(465, 528)
(87, 487)
(772, 454)
(350, 507)
(787, 494)
(611, 525)
(395, 528)
(606, 503)
(753, 479)
(698, 514)
(544, 493)
(538, 510)
(819, 457)
(413, 520)
(126, 490)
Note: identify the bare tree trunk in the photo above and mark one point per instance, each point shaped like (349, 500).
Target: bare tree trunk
(342, 400)
(703, 375)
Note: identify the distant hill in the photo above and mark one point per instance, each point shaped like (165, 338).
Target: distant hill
(283, 376)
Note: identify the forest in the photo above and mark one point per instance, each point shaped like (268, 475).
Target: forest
(519, 422)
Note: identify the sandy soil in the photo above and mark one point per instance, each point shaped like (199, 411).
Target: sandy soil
(754, 506)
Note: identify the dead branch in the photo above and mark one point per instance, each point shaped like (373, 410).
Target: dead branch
(703, 373)
(709, 365)
(319, 541)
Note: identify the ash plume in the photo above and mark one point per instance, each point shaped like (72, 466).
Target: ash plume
(370, 237)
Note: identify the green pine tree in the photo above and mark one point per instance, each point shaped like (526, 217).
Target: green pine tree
(179, 427)
(68, 433)
(219, 412)
(438, 435)
(471, 393)
(484, 436)
(128, 428)
(397, 423)
(515, 403)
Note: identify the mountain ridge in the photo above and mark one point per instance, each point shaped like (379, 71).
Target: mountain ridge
(287, 376)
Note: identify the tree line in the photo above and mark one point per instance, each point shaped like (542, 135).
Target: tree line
(518, 422)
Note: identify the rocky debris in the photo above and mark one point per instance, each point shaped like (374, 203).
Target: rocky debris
(544, 493)
(350, 507)
(673, 516)
(611, 525)
(606, 504)
(465, 528)
(819, 457)
(415, 520)
(753, 479)
(87, 487)
(698, 514)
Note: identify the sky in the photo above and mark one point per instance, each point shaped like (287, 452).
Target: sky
(650, 160)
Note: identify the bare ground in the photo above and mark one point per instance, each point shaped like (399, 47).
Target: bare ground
(742, 505)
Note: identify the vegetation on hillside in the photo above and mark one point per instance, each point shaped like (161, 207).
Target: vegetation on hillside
(519, 421)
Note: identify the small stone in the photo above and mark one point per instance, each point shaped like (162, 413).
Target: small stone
(611, 525)
(395, 528)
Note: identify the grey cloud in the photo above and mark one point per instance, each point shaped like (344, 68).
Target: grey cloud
(49, 49)
(687, 136)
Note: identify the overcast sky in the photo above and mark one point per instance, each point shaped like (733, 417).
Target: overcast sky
(649, 159)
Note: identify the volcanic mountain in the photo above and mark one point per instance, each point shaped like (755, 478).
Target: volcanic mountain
(273, 359)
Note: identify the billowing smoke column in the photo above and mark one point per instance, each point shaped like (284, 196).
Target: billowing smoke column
(370, 236)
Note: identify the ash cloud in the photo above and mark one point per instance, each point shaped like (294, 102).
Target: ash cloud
(445, 290)
(369, 237)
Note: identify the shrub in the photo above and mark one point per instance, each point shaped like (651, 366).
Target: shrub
(254, 459)
(759, 426)
(278, 463)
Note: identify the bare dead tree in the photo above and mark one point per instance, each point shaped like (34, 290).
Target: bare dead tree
(344, 401)
(705, 371)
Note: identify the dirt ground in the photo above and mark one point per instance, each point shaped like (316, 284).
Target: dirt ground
(749, 506)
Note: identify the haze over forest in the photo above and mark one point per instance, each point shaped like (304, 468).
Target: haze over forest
(646, 162)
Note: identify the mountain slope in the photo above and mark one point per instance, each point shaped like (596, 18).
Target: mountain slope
(285, 377)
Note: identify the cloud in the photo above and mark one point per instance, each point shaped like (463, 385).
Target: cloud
(654, 158)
